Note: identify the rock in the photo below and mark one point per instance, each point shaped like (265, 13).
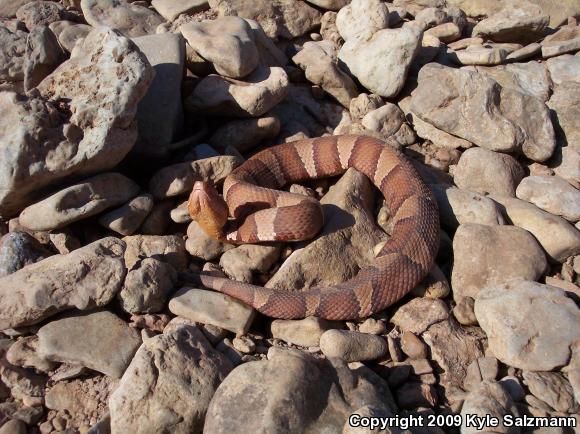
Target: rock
(242, 262)
(13, 426)
(100, 86)
(381, 63)
(565, 103)
(98, 340)
(260, 91)
(362, 18)
(552, 388)
(130, 19)
(328, 29)
(524, 53)
(15, 410)
(431, 17)
(471, 105)
(78, 202)
(160, 112)
(452, 349)
(479, 55)
(364, 104)
(559, 238)
(413, 394)
(413, 346)
(169, 384)
(446, 33)
(482, 369)
(419, 314)
(19, 249)
(171, 9)
(464, 43)
(148, 286)
(43, 55)
(244, 134)
(320, 63)
(514, 24)
(166, 248)
(12, 54)
(568, 167)
(529, 325)
(227, 42)
(502, 253)
(209, 307)
(304, 332)
(458, 206)
(564, 68)
(332, 5)
(352, 346)
(485, 171)
(555, 48)
(463, 311)
(84, 279)
(70, 35)
(179, 178)
(8, 8)
(40, 13)
(286, 19)
(158, 220)
(530, 78)
(372, 326)
(488, 399)
(24, 353)
(294, 392)
(344, 244)
(24, 384)
(551, 194)
(389, 122)
(513, 387)
(127, 219)
(202, 246)
(82, 401)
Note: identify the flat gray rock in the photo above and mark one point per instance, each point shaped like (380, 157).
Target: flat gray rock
(84, 279)
(97, 340)
(160, 112)
(79, 201)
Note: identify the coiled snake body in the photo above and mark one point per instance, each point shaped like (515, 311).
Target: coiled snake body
(267, 214)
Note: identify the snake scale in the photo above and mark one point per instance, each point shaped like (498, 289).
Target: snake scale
(263, 213)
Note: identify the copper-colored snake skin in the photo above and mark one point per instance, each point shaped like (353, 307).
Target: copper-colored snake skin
(401, 264)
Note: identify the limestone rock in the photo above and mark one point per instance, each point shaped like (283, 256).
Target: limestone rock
(169, 384)
(305, 332)
(40, 13)
(71, 34)
(419, 314)
(485, 255)
(179, 178)
(381, 63)
(148, 286)
(130, 19)
(100, 86)
(166, 248)
(202, 246)
(160, 112)
(43, 55)
(485, 171)
(552, 388)
(565, 102)
(171, 9)
(529, 325)
(209, 307)
(476, 108)
(244, 134)
(352, 346)
(127, 219)
(292, 391)
(12, 54)
(84, 279)
(558, 237)
(79, 201)
(98, 340)
(24, 353)
(227, 42)
(243, 261)
(320, 63)
(568, 167)
(552, 194)
(362, 18)
(514, 24)
(258, 93)
(279, 18)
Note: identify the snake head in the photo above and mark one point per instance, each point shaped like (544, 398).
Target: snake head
(208, 209)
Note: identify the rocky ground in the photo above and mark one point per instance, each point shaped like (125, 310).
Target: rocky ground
(103, 133)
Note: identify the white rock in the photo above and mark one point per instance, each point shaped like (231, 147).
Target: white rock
(552, 194)
(362, 18)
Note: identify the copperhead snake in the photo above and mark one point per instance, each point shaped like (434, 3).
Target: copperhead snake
(267, 214)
